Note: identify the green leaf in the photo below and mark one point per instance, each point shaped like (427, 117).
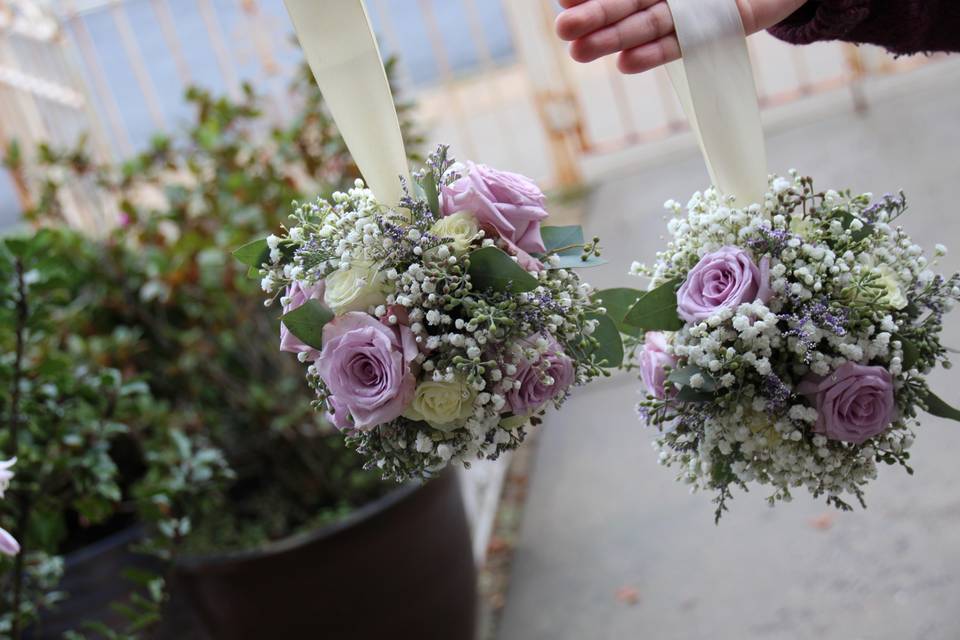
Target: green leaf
(911, 353)
(576, 262)
(431, 192)
(492, 269)
(306, 322)
(609, 353)
(936, 406)
(682, 377)
(656, 310)
(687, 394)
(863, 233)
(253, 254)
(569, 240)
(618, 302)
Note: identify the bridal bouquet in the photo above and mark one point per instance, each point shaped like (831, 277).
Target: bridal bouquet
(441, 330)
(787, 344)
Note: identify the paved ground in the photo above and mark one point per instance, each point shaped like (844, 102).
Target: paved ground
(603, 516)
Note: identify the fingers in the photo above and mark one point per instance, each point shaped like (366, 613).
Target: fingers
(633, 31)
(586, 16)
(650, 55)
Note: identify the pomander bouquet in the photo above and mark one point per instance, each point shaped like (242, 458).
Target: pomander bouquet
(438, 331)
(787, 345)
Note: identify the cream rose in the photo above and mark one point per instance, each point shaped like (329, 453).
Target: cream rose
(442, 405)
(461, 227)
(893, 297)
(355, 289)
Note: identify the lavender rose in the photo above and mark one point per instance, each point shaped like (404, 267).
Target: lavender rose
(507, 204)
(654, 361)
(723, 279)
(366, 366)
(8, 544)
(542, 381)
(855, 402)
(296, 295)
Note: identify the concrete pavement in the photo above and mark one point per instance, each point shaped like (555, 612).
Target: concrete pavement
(604, 520)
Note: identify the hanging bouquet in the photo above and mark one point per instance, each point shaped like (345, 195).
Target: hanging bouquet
(440, 330)
(787, 344)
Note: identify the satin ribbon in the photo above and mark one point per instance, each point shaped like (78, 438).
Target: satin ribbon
(714, 81)
(342, 51)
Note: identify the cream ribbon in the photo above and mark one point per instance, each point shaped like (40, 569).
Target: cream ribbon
(714, 81)
(342, 51)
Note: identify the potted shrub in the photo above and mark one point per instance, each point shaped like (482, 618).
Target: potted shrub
(184, 318)
(77, 431)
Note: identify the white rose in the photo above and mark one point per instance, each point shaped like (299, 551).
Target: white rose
(443, 405)
(461, 227)
(355, 289)
(894, 297)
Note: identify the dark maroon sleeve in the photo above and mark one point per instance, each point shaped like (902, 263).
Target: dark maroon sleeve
(902, 26)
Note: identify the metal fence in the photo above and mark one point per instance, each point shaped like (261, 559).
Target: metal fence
(488, 75)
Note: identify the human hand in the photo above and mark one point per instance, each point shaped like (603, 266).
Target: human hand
(641, 31)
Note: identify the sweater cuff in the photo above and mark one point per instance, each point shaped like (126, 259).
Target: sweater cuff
(822, 20)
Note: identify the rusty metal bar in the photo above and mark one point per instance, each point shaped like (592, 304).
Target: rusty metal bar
(435, 36)
(135, 57)
(220, 50)
(109, 102)
(169, 30)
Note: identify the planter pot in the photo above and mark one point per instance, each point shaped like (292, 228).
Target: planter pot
(399, 568)
(93, 579)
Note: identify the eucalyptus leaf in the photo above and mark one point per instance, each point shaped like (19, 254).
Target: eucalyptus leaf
(253, 254)
(656, 310)
(618, 302)
(911, 353)
(682, 377)
(609, 353)
(861, 234)
(687, 394)
(936, 406)
(493, 270)
(431, 192)
(576, 262)
(569, 240)
(306, 322)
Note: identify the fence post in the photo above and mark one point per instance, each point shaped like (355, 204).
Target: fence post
(554, 95)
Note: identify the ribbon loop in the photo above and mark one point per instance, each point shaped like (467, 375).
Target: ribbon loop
(342, 51)
(714, 81)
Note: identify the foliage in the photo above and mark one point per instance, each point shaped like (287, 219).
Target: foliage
(184, 412)
(77, 429)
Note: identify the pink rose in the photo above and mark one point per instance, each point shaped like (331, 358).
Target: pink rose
(297, 295)
(540, 382)
(508, 205)
(366, 366)
(8, 544)
(724, 279)
(654, 361)
(855, 402)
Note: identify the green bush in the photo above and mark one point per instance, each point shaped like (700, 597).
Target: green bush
(168, 322)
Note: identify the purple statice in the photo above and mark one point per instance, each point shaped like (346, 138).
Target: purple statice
(542, 306)
(777, 394)
(894, 205)
(771, 241)
(816, 313)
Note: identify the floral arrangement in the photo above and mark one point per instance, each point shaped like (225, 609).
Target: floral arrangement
(440, 330)
(787, 344)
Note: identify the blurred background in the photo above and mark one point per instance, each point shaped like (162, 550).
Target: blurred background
(170, 131)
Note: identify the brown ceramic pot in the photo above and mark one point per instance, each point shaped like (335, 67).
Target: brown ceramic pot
(399, 568)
